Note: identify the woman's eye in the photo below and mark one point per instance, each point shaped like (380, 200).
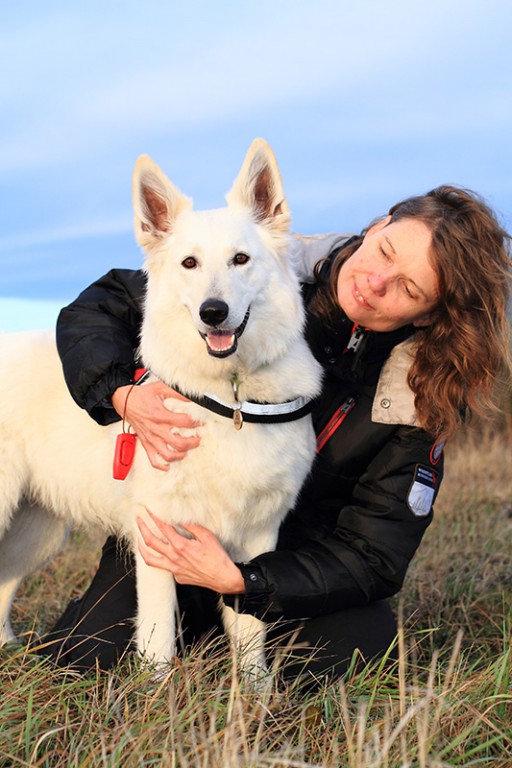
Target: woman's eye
(189, 263)
(240, 258)
(409, 292)
(386, 256)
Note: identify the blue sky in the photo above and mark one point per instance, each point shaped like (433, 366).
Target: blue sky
(363, 103)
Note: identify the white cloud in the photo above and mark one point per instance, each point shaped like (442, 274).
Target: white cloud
(36, 238)
(407, 89)
(88, 77)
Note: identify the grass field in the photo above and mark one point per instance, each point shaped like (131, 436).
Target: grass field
(447, 702)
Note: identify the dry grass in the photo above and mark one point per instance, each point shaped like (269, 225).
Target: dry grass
(461, 577)
(448, 701)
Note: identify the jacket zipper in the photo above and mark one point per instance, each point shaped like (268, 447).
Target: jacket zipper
(334, 422)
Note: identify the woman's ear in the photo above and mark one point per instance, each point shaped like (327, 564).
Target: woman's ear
(423, 321)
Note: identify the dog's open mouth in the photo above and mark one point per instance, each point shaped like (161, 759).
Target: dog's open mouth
(223, 343)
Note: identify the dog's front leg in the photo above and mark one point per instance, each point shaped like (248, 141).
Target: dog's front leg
(246, 632)
(247, 636)
(156, 611)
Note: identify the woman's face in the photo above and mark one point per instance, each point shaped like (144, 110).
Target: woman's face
(389, 281)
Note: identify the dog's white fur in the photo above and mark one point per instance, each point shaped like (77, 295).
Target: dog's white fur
(56, 462)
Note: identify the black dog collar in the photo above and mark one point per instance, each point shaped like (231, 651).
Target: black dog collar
(260, 413)
(246, 410)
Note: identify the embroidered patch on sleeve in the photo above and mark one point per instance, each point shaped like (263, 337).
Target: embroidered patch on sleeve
(422, 490)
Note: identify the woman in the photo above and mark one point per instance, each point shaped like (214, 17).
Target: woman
(409, 321)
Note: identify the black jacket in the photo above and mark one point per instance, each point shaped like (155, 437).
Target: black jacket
(354, 530)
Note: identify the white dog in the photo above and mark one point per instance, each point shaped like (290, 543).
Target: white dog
(223, 318)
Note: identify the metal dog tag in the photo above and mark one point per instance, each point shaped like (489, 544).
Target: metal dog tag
(238, 419)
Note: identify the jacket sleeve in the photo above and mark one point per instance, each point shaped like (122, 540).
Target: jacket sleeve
(365, 556)
(97, 340)
(307, 250)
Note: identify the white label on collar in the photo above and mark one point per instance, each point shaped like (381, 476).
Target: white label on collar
(422, 490)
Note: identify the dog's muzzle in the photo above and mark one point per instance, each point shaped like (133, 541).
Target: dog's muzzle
(221, 342)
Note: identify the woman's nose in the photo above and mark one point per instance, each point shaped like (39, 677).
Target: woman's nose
(378, 283)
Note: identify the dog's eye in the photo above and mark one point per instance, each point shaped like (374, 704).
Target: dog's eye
(240, 258)
(189, 263)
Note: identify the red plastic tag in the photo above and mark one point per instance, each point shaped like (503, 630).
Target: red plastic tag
(124, 454)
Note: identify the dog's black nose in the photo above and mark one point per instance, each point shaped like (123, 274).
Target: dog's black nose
(213, 311)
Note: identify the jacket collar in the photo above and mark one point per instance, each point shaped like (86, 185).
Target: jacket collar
(394, 399)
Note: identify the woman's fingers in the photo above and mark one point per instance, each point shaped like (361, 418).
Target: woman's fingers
(151, 539)
(162, 453)
(149, 556)
(198, 558)
(182, 444)
(155, 425)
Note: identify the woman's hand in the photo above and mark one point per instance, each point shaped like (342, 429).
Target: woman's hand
(154, 423)
(201, 560)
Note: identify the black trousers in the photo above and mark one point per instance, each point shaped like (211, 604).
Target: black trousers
(97, 629)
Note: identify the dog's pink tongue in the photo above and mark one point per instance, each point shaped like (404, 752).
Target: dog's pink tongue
(219, 340)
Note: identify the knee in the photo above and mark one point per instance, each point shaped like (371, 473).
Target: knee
(327, 647)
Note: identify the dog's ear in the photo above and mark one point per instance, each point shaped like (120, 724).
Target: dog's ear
(258, 186)
(156, 203)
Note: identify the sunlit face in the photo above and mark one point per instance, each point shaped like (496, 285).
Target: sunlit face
(389, 281)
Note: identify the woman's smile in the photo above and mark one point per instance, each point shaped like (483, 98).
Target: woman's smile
(360, 298)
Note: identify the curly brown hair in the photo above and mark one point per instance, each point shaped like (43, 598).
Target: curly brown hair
(465, 350)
